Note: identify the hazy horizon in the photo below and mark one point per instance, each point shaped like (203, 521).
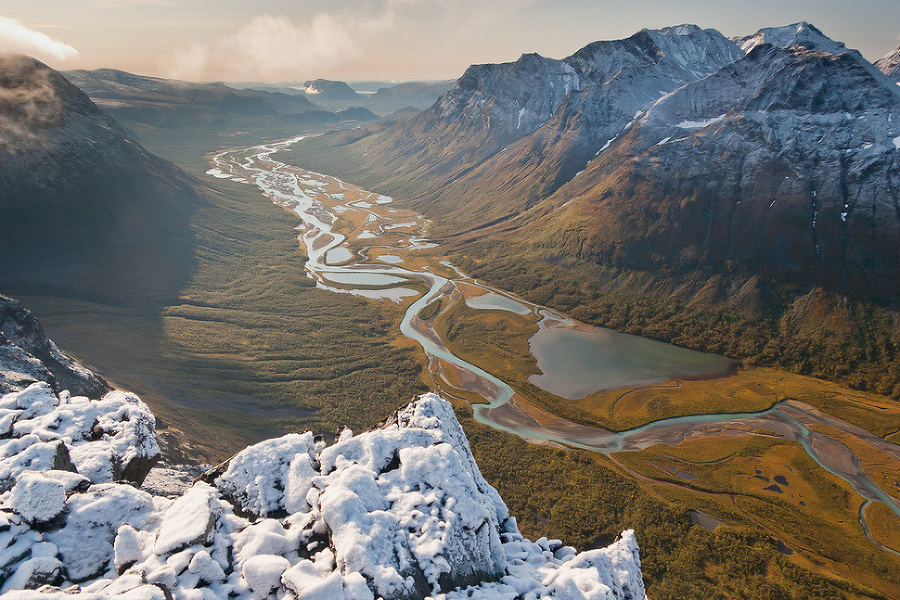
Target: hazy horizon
(384, 40)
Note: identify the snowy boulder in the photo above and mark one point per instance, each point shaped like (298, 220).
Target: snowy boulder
(263, 573)
(400, 513)
(272, 477)
(109, 439)
(38, 498)
(189, 521)
(85, 541)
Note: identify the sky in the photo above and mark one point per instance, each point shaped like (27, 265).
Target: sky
(390, 40)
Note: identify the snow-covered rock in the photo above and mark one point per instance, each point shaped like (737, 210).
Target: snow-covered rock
(109, 439)
(397, 512)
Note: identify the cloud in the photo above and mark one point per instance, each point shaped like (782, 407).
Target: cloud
(277, 48)
(15, 38)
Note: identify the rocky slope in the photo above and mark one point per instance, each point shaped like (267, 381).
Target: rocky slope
(671, 151)
(399, 512)
(784, 165)
(86, 210)
(27, 356)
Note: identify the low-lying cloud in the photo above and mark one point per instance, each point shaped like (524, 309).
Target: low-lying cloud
(15, 38)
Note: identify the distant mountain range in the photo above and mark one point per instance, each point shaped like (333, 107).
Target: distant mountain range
(382, 98)
(774, 156)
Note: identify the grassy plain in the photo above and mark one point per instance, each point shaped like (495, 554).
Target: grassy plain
(586, 499)
(811, 519)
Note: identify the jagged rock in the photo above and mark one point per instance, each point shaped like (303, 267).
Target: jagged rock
(400, 512)
(27, 355)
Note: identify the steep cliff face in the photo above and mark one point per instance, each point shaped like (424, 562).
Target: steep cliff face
(783, 164)
(85, 208)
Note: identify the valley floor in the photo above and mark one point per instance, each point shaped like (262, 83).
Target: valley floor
(252, 348)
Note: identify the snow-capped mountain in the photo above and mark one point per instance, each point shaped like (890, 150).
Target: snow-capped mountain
(802, 34)
(84, 205)
(400, 512)
(672, 149)
(783, 164)
(889, 64)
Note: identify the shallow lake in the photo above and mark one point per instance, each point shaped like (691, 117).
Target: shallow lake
(575, 363)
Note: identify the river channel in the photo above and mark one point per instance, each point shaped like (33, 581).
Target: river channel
(575, 359)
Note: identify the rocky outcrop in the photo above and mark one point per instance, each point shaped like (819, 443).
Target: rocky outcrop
(28, 356)
(401, 512)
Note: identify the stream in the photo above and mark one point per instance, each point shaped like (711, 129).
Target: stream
(561, 346)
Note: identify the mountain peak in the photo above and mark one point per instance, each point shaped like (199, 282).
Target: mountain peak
(35, 101)
(683, 29)
(889, 64)
(802, 33)
(333, 90)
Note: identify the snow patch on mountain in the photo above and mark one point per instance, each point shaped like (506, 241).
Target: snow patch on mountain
(802, 34)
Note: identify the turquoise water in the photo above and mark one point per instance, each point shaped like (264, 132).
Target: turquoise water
(361, 278)
(497, 302)
(576, 363)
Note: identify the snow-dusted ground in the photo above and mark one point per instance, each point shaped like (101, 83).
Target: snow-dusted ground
(398, 512)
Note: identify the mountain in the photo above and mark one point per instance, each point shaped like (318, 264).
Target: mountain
(802, 34)
(329, 90)
(671, 149)
(889, 64)
(86, 210)
(114, 88)
(781, 165)
(382, 98)
(506, 135)
(181, 119)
